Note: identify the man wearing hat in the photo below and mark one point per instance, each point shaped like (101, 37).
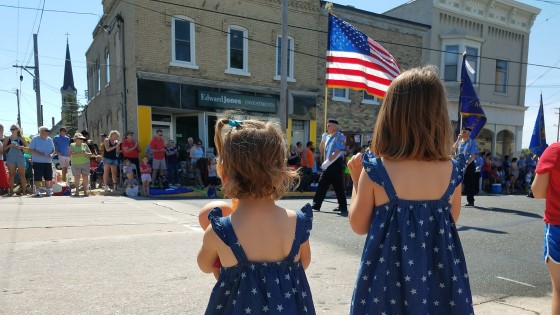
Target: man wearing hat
(469, 148)
(61, 145)
(332, 149)
(42, 149)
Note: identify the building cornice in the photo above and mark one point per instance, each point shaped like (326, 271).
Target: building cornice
(512, 14)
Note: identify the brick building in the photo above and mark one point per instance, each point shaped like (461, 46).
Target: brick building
(186, 63)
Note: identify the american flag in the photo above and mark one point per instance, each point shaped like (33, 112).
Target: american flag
(356, 61)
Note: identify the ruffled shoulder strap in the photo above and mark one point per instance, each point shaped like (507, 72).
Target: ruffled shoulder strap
(223, 228)
(304, 224)
(378, 174)
(459, 167)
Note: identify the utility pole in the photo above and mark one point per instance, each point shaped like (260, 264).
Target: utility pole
(18, 112)
(283, 106)
(37, 83)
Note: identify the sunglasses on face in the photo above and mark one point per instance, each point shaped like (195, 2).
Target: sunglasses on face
(13, 129)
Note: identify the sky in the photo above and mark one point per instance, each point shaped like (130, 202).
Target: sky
(16, 47)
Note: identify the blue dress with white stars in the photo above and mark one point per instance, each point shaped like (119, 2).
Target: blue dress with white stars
(413, 261)
(261, 287)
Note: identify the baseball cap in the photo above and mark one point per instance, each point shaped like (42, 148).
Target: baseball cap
(103, 135)
(332, 121)
(62, 129)
(44, 128)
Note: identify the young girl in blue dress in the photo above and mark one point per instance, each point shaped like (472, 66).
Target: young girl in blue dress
(263, 249)
(407, 198)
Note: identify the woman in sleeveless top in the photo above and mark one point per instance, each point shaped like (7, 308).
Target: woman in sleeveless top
(14, 147)
(110, 159)
(4, 184)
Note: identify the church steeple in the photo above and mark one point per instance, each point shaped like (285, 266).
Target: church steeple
(70, 107)
(68, 84)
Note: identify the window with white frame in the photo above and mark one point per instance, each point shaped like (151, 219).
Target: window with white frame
(107, 67)
(237, 51)
(472, 58)
(290, 57)
(501, 76)
(451, 61)
(340, 95)
(98, 73)
(183, 42)
(452, 58)
(370, 99)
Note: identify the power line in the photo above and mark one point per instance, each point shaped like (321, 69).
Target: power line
(318, 31)
(55, 11)
(31, 36)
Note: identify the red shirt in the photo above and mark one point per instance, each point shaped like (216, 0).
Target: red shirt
(129, 144)
(549, 162)
(158, 144)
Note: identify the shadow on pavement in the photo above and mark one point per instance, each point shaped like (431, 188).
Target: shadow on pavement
(509, 211)
(466, 228)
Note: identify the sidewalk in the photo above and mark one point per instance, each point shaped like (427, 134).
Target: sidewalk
(513, 305)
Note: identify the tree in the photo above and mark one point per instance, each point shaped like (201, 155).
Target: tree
(70, 113)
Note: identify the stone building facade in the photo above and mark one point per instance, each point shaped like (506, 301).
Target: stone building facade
(495, 35)
(181, 65)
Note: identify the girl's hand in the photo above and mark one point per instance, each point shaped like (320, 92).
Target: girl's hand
(355, 166)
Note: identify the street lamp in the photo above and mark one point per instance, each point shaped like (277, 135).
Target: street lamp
(108, 28)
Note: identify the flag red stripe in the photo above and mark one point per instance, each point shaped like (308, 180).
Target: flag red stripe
(356, 86)
(364, 63)
(359, 73)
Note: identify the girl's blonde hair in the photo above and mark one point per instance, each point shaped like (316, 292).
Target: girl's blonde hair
(114, 132)
(413, 122)
(252, 159)
(19, 133)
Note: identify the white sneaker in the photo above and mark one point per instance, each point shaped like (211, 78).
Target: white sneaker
(49, 192)
(107, 189)
(37, 193)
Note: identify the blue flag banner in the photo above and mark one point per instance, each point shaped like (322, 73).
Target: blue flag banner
(538, 139)
(470, 112)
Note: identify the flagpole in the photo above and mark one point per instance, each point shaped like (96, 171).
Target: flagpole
(326, 101)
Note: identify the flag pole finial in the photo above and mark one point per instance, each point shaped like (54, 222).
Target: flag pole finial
(328, 7)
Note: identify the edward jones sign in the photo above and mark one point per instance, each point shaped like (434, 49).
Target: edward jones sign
(236, 101)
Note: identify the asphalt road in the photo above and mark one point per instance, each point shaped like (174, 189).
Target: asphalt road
(109, 255)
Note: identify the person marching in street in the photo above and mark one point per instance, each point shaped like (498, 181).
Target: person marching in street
(333, 168)
(547, 185)
(42, 150)
(14, 145)
(79, 156)
(468, 147)
(61, 145)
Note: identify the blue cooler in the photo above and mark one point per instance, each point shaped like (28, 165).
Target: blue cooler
(497, 188)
